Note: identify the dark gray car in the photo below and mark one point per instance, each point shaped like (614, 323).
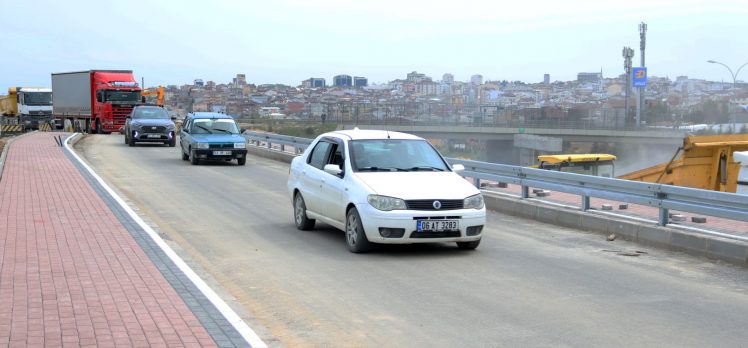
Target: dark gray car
(150, 124)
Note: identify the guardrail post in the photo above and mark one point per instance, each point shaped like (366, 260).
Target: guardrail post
(476, 182)
(283, 148)
(525, 191)
(270, 145)
(664, 216)
(585, 203)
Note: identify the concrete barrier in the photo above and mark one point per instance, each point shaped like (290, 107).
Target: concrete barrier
(693, 243)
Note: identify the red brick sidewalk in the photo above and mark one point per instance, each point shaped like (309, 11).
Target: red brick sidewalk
(70, 273)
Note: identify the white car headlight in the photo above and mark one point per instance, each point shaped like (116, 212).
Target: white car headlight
(203, 145)
(385, 203)
(240, 145)
(473, 202)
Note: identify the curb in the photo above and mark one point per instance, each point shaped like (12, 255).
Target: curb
(249, 335)
(642, 232)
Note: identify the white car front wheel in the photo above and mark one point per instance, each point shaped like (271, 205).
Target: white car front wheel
(354, 233)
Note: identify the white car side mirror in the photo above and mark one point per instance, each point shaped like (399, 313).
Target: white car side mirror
(457, 168)
(333, 169)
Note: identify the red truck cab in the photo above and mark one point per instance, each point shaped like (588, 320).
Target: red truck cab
(114, 93)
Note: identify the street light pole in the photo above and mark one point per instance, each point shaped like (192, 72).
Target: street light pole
(734, 86)
(627, 53)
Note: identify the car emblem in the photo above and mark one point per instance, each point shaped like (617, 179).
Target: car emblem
(437, 205)
(153, 128)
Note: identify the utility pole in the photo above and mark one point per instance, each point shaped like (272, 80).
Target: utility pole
(642, 90)
(627, 53)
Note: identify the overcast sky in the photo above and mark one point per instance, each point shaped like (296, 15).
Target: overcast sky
(287, 41)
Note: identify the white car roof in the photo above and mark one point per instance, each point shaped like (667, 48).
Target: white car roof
(361, 134)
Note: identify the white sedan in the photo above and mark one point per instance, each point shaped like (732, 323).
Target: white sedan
(384, 187)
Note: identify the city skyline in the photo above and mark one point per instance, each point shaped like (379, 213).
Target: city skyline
(288, 41)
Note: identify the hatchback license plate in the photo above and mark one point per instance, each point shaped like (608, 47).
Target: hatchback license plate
(221, 153)
(437, 225)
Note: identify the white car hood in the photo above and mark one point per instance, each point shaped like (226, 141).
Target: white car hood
(418, 185)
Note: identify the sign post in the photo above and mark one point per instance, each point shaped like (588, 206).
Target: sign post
(640, 82)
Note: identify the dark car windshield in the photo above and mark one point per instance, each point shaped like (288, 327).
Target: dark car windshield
(214, 126)
(395, 155)
(150, 113)
(37, 98)
(122, 96)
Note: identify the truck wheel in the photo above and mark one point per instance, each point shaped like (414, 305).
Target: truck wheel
(242, 161)
(193, 158)
(98, 127)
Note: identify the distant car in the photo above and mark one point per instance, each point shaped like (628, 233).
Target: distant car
(149, 124)
(212, 136)
(384, 187)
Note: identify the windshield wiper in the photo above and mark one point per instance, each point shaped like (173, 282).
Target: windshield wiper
(223, 130)
(417, 168)
(381, 169)
(206, 129)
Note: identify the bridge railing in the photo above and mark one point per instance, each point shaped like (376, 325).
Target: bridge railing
(297, 144)
(664, 197)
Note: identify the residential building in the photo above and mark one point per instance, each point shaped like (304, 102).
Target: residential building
(476, 79)
(239, 80)
(591, 77)
(314, 82)
(416, 77)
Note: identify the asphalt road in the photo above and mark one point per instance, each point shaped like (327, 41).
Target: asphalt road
(528, 284)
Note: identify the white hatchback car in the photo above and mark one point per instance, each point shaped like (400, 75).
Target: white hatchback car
(384, 187)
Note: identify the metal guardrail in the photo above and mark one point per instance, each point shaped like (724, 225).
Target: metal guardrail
(664, 197)
(299, 144)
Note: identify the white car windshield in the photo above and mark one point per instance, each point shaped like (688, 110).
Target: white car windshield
(395, 155)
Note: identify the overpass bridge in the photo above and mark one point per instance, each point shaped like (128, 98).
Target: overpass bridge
(649, 136)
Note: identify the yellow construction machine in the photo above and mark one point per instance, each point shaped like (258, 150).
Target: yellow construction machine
(705, 162)
(157, 92)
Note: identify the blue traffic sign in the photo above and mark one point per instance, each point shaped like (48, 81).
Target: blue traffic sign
(640, 77)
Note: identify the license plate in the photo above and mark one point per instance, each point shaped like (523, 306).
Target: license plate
(437, 225)
(154, 135)
(221, 153)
